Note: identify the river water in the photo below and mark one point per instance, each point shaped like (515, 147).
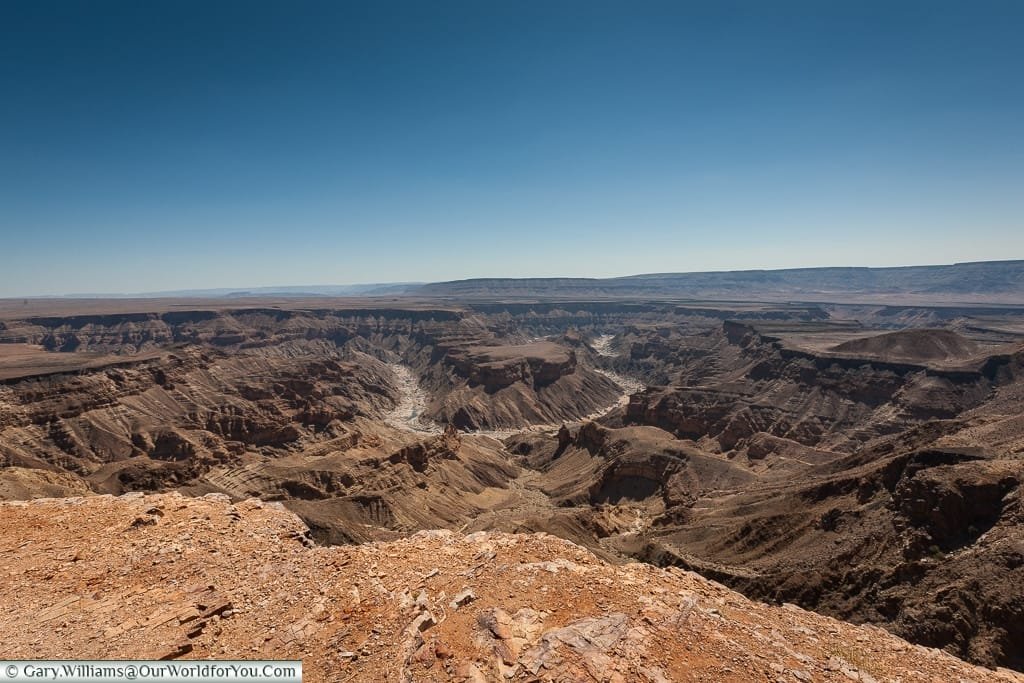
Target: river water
(408, 414)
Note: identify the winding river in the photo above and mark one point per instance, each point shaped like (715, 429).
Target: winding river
(409, 413)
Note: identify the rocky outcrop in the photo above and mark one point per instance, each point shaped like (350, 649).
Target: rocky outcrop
(953, 505)
(495, 367)
(873, 537)
(433, 607)
(815, 400)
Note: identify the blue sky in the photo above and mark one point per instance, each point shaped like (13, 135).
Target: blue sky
(170, 145)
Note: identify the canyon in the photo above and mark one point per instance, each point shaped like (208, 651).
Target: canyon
(859, 459)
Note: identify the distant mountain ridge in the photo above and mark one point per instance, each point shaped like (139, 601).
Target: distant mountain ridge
(986, 281)
(995, 282)
(296, 291)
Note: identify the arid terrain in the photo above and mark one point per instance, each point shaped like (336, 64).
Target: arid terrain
(862, 460)
(494, 342)
(160, 579)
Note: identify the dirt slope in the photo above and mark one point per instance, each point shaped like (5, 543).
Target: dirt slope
(170, 576)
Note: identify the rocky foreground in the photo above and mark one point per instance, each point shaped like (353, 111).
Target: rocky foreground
(167, 576)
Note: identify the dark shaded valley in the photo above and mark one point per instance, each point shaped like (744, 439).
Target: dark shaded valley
(861, 460)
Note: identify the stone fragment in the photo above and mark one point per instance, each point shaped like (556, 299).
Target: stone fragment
(590, 638)
(214, 607)
(142, 521)
(171, 651)
(423, 622)
(471, 673)
(497, 621)
(463, 597)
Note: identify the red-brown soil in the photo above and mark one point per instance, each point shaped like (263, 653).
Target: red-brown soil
(174, 577)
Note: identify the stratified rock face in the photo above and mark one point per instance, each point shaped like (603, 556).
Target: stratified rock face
(952, 505)
(880, 483)
(496, 386)
(167, 420)
(496, 367)
(257, 379)
(819, 400)
(433, 607)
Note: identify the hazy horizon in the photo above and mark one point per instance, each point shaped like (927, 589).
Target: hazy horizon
(171, 146)
(311, 288)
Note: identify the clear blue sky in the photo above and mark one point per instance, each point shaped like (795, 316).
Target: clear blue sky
(165, 145)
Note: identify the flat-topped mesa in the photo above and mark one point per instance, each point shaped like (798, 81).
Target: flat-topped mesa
(536, 364)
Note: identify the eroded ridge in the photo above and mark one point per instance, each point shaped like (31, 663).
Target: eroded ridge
(410, 410)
